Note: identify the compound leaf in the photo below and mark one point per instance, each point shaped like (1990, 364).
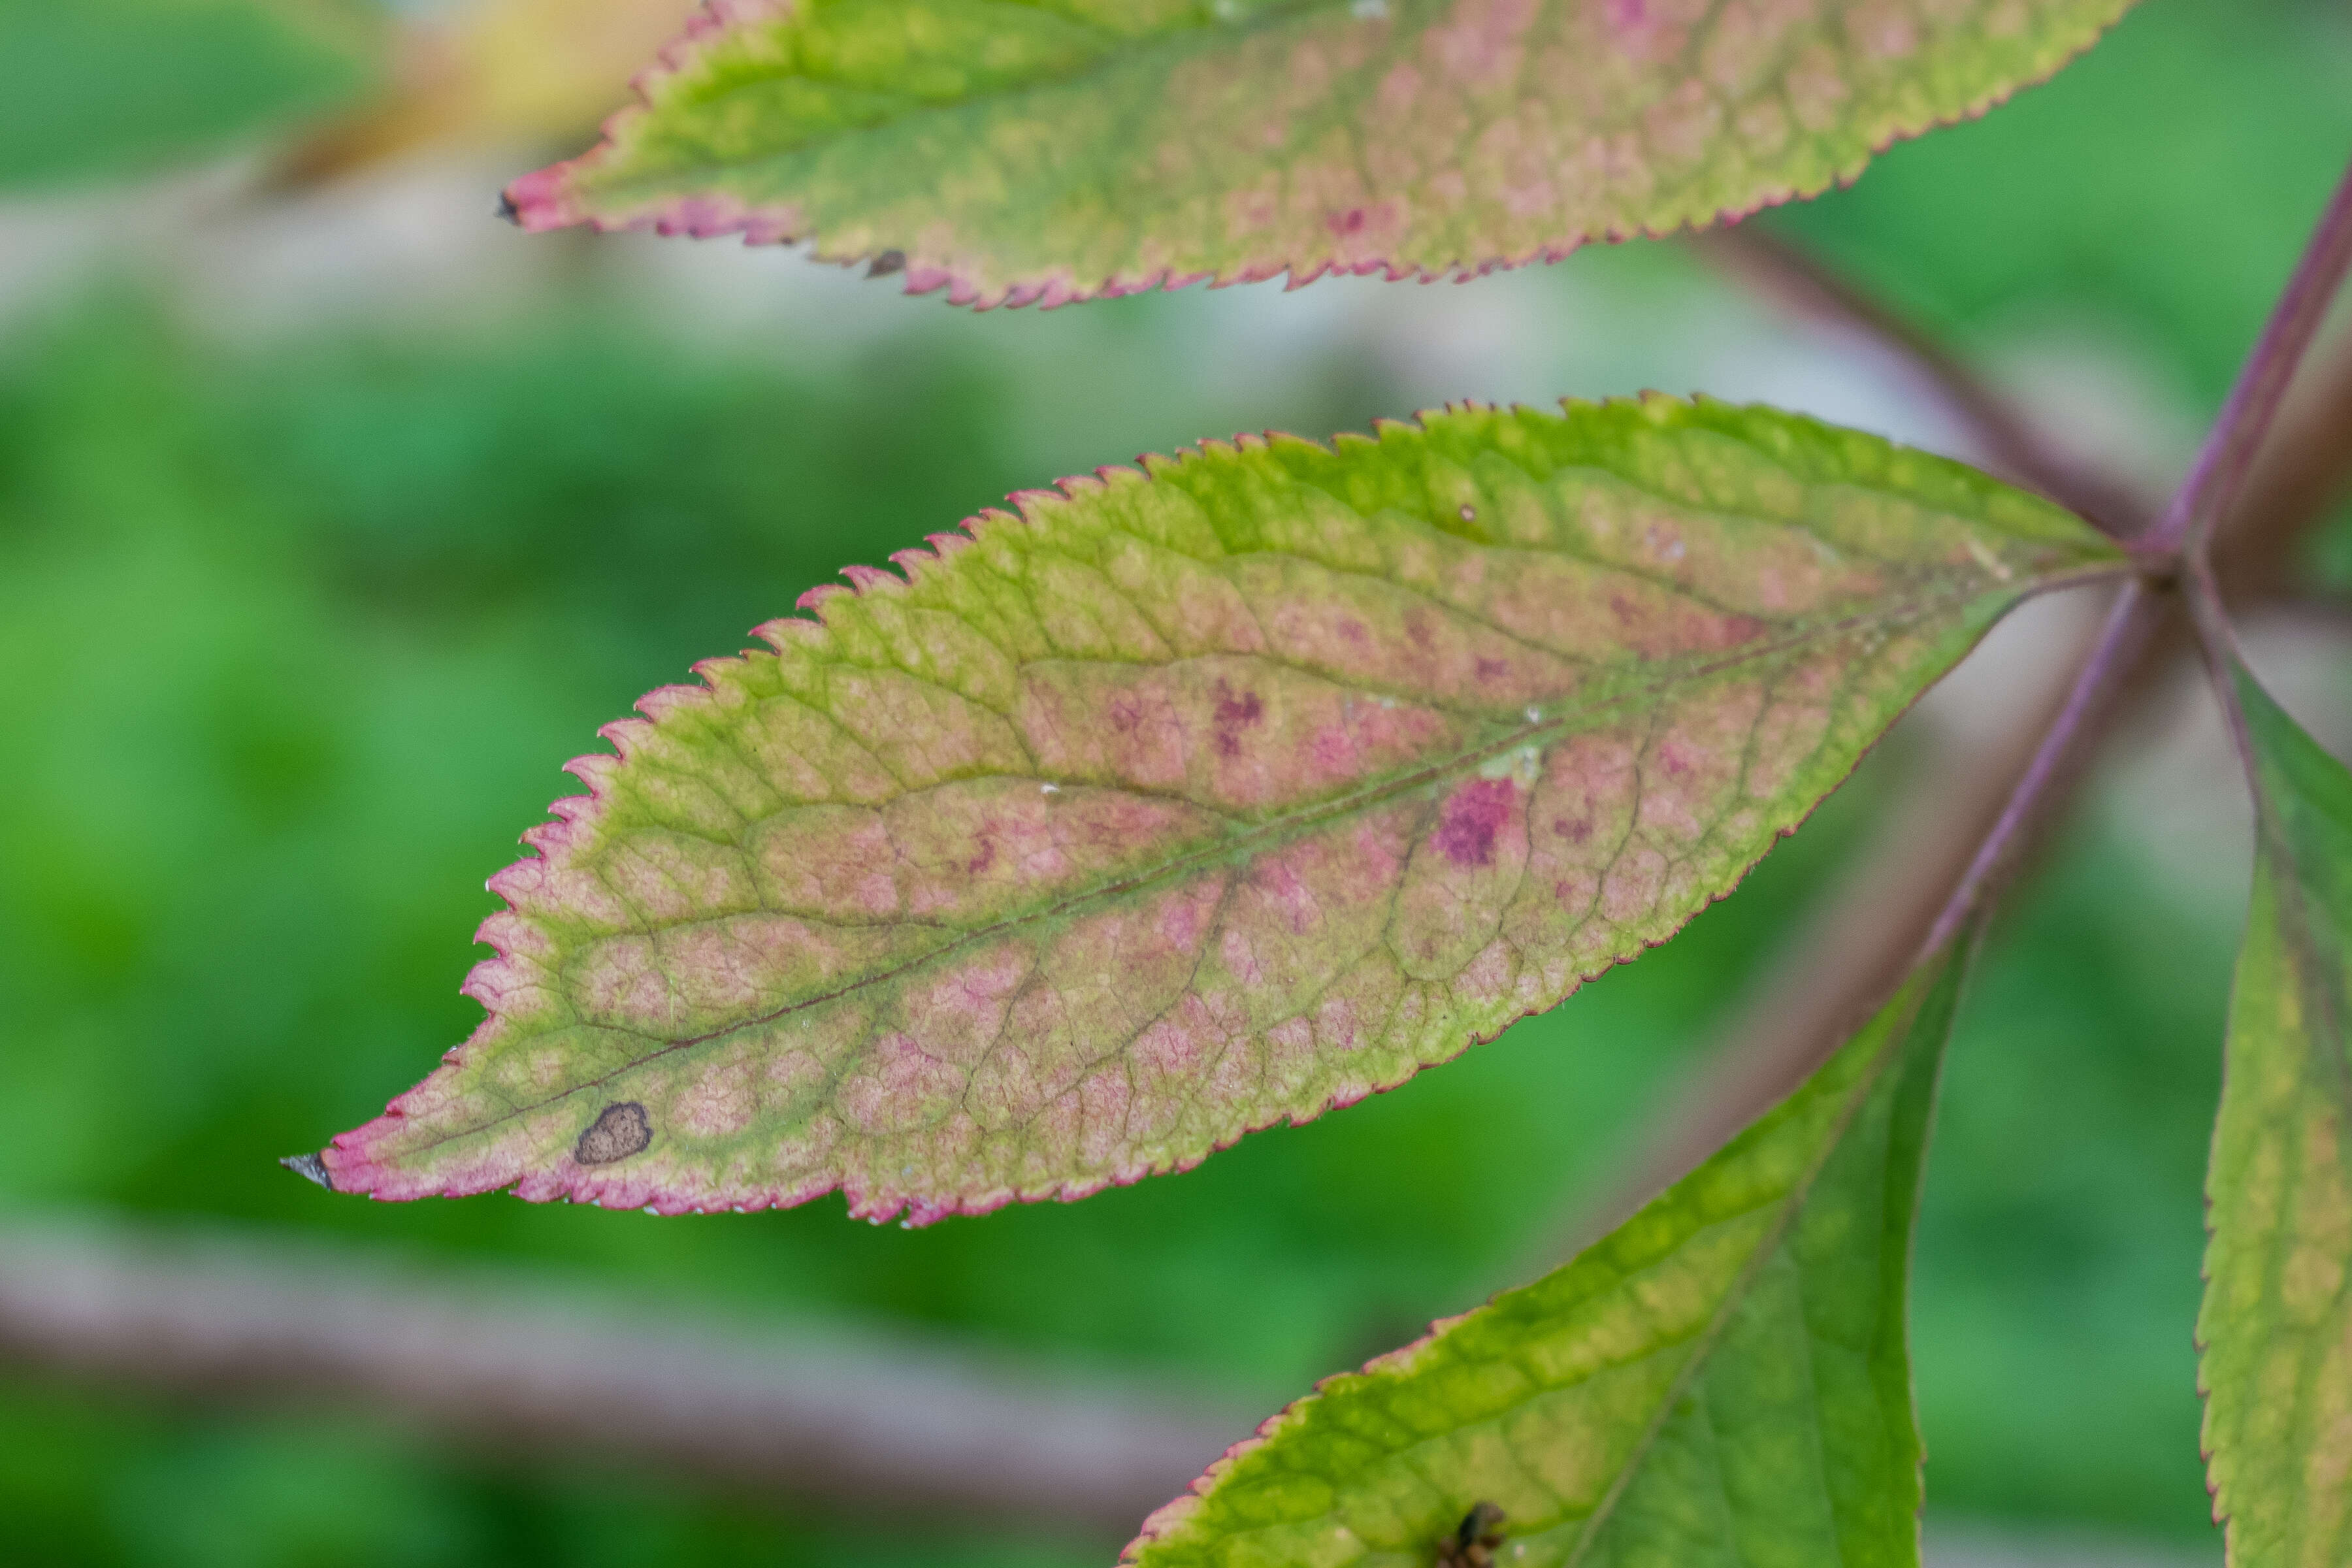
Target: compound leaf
(99, 87)
(2277, 1326)
(1724, 1380)
(1020, 150)
(1195, 798)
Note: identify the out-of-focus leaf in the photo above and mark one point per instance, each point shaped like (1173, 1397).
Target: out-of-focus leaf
(2277, 1328)
(99, 87)
(497, 72)
(1197, 798)
(1011, 151)
(548, 66)
(1724, 1380)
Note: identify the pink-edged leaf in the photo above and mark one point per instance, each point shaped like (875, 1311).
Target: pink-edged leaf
(1193, 799)
(1016, 150)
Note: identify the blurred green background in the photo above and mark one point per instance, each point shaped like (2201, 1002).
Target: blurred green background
(298, 616)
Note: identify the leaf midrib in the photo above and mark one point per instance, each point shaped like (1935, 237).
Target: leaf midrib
(1281, 829)
(1898, 1042)
(1701, 1346)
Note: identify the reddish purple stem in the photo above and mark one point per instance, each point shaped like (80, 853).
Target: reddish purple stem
(2186, 526)
(2131, 620)
(2212, 485)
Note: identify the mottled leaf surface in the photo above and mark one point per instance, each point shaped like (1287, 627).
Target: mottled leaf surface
(99, 87)
(2276, 1325)
(1725, 1380)
(1019, 149)
(1195, 798)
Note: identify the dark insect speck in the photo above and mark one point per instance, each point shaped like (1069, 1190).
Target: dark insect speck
(620, 1130)
(1473, 1542)
(886, 263)
(508, 210)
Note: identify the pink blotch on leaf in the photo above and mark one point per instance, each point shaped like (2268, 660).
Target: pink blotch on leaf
(1184, 918)
(1337, 1025)
(1234, 714)
(1333, 751)
(722, 1100)
(1470, 819)
(1479, 43)
(901, 1089)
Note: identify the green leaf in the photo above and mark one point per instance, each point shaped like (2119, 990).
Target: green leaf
(1194, 799)
(2277, 1326)
(1724, 1380)
(100, 88)
(1019, 149)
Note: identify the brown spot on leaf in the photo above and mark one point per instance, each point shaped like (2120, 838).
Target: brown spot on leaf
(621, 1129)
(886, 263)
(1472, 815)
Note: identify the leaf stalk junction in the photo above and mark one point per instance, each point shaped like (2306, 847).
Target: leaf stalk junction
(2174, 551)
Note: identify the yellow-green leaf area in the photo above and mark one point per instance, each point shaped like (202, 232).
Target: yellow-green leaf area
(1020, 149)
(1725, 1380)
(2277, 1326)
(1196, 799)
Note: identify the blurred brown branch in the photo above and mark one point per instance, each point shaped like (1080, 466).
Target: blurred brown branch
(2009, 443)
(507, 1365)
(2301, 475)
(503, 1365)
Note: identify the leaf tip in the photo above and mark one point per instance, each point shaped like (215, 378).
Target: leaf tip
(540, 200)
(311, 1167)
